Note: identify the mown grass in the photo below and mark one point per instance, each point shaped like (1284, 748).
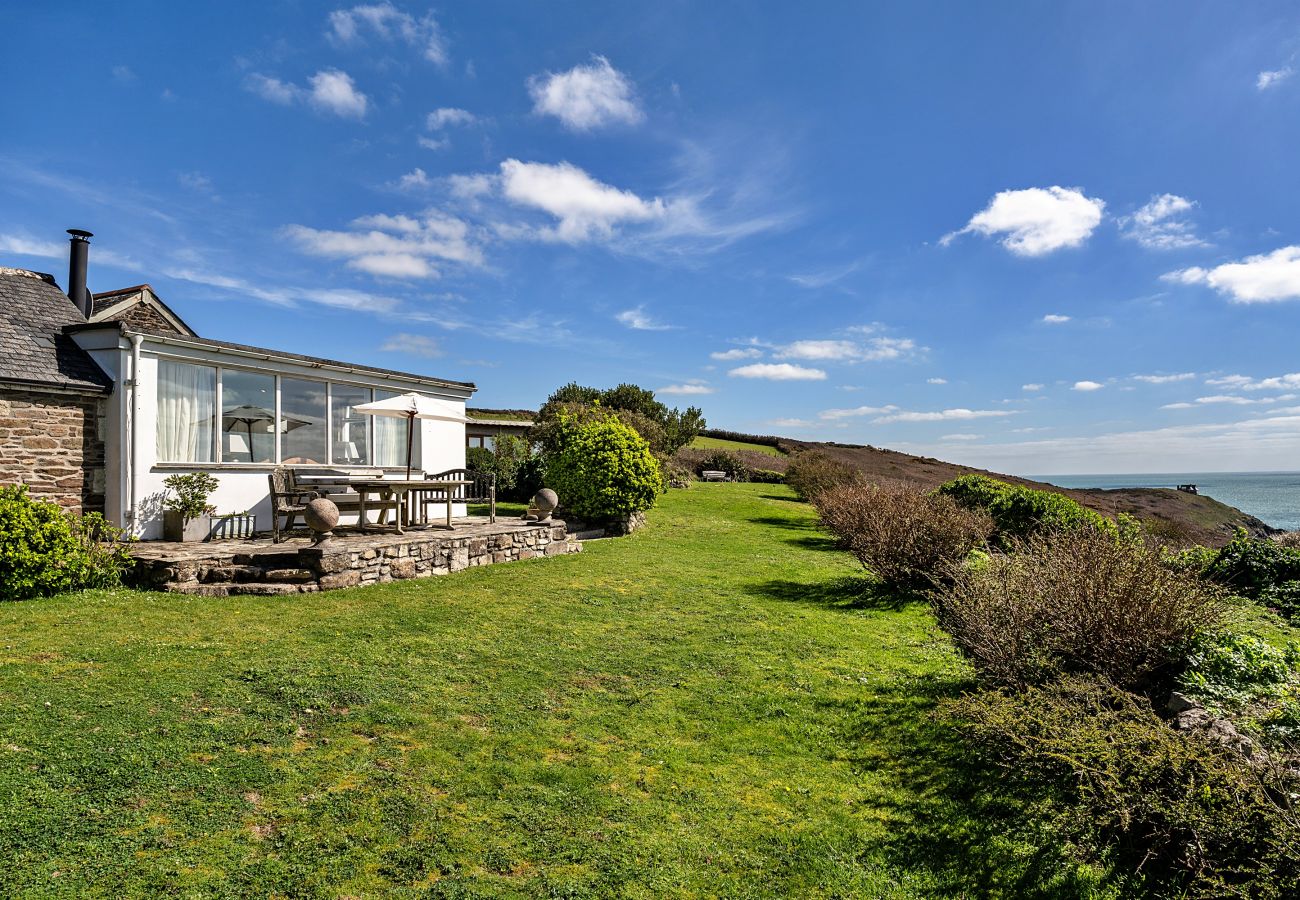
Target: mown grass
(700, 442)
(718, 706)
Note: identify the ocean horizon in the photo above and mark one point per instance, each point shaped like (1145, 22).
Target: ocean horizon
(1272, 497)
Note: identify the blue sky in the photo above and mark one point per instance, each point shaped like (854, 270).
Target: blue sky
(1041, 238)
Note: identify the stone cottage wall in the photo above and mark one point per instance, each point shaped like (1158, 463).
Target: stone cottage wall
(52, 441)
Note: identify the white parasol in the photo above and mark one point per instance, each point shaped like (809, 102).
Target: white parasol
(411, 407)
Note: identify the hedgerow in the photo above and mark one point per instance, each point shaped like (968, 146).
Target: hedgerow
(1018, 511)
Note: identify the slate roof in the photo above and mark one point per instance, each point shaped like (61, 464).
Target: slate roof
(33, 347)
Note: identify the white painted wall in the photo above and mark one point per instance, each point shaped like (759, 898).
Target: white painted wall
(437, 446)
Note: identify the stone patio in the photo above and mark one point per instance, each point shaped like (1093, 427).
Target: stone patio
(350, 558)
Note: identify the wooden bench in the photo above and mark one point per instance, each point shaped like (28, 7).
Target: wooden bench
(293, 487)
(713, 475)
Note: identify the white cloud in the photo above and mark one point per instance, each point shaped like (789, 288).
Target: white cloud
(415, 180)
(736, 353)
(586, 97)
(1266, 80)
(873, 350)
(429, 143)
(1088, 386)
(1165, 379)
(28, 246)
(386, 22)
(413, 344)
(778, 372)
(334, 91)
(393, 246)
(449, 116)
(961, 437)
(584, 207)
(1032, 388)
(689, 389)
(1161, 224)
(1036, 221)
(959, 414)
(331, 90)
(1265, 278)
(272, 89)
(1290, 381)
(857, 411)
(936, 381)
(791, 423)
(639, 321)
(1052, 319)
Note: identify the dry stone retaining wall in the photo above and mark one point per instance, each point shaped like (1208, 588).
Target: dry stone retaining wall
(345, 561)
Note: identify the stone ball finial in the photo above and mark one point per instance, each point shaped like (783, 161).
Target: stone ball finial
(543, 504)
(321, 515)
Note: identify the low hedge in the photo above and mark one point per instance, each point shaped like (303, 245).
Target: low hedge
(1018, 511)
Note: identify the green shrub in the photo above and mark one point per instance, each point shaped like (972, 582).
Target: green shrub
(1284, 597)
(1191, 561)
(1019, 511)
(517, 468)
(1251, 566)
(603, 470)
(907, 537)
(1233, 668)
(45, 550)
(1188, 817)
(812, 472)
(1075, 601)
(188, 494)
(766, 476)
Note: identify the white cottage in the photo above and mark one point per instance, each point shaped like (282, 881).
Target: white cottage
(177, 402)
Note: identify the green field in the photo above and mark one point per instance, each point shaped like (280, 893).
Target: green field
(708, 443)
(718, 706)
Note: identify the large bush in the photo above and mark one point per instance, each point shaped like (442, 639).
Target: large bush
(603, 470)
(906, 537)
(1170, 810)
(666, 430)
(1019, 511)
(1078, 600)
(45, 550)
(812, 472)
(723, 461)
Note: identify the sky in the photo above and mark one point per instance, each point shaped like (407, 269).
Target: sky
(1038, 238)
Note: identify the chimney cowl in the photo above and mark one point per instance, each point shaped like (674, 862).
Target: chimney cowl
(78, 261)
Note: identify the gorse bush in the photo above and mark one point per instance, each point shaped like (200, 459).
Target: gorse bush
(1188, 817)
(1019, 511)
(812, 472)
(603, 470)
(45, 550)
(905, 536)
(1075, 601)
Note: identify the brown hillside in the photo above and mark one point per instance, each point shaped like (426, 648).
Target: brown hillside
(1182, 519)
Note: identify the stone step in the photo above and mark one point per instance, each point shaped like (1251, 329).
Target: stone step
(589, 534)
(229, 589)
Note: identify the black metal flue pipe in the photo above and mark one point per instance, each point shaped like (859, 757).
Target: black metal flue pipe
(78, 260)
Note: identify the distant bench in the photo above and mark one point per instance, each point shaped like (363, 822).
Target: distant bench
(713, 475)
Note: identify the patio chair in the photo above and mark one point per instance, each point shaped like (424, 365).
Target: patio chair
(483, 490)
(287, 500)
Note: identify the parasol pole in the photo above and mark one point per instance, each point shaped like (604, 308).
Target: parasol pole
(410, 429)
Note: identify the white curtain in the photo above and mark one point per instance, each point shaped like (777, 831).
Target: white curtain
(390, 436)
(187, 398)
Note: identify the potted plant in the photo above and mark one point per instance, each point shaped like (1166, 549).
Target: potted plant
(186, 513)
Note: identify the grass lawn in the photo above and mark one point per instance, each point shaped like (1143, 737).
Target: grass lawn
(707, 443)
(718, 706)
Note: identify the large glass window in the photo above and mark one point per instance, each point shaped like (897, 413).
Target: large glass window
(187, 399)
(390, 436)
(247, 416)
(302, 421)
(351, 431)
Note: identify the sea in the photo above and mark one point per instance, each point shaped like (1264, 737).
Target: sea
(1273, 497)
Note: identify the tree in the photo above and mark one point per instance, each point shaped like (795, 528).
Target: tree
(666, 430)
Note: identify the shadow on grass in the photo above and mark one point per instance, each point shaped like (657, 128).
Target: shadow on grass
(852, 592)
(814, 538)
(961, 823)
(785, 497)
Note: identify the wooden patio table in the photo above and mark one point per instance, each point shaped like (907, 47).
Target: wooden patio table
(400, 488)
